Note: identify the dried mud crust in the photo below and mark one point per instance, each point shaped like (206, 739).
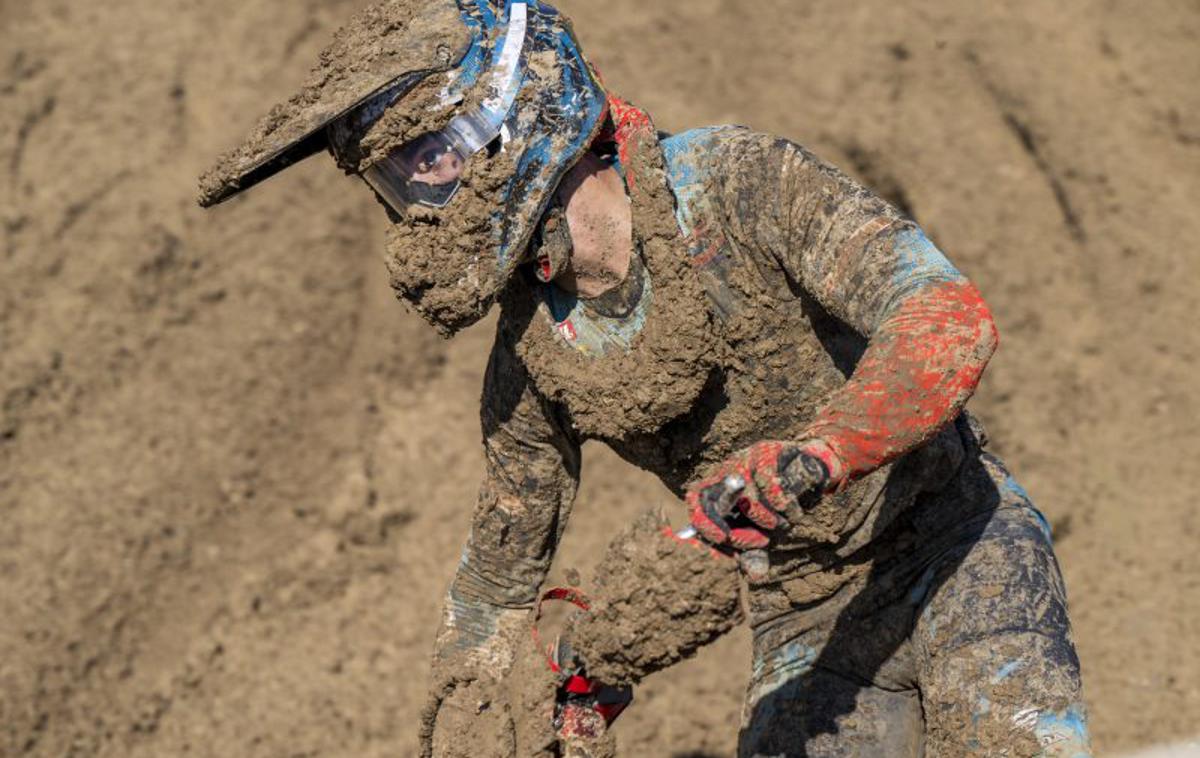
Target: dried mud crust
(657, 599)
(419, 111)
(440, 260)
(623, 393)
(507, 715)
(377, 45)
(474, 723)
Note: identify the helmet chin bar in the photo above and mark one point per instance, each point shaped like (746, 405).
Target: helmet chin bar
(467, 133)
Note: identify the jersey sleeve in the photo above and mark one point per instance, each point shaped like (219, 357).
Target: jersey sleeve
(929, 332)
(531, 476)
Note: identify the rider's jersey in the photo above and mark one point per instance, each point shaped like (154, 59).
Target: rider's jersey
(833, 317)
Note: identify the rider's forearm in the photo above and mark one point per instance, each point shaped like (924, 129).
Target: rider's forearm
(531, 475)
(501, 570)
(524, 503)
(921, 365)
(511, 546)
(498, 577)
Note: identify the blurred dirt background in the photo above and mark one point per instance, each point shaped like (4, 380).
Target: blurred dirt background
(235, 474)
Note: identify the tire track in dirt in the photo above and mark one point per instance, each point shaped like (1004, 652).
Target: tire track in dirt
(24, 130)
(1031, 144)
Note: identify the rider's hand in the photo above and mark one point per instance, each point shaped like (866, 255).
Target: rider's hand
(477, 642)
(779, 479)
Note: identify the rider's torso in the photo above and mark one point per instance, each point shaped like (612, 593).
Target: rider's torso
(779, 356)
(780, 353)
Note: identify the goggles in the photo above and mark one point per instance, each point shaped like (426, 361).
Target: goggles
(428, 170)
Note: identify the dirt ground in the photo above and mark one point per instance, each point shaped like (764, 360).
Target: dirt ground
(235, 475)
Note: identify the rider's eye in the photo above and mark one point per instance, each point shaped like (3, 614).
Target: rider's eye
(429, 159)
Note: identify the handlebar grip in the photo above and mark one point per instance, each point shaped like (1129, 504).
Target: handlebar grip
(804, 475)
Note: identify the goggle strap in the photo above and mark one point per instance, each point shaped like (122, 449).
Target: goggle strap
(474, 130)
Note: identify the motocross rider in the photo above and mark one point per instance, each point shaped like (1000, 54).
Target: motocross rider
(714, 302)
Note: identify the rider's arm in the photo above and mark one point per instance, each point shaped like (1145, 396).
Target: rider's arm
(530, 482)
(532, 472)
(929, 332)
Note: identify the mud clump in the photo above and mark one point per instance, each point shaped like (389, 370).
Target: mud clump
(657, 600)
(439, 260)
(669, 361)
(474, 723)
(508, 714)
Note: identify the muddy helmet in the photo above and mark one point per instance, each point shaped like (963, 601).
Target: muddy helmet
(463, 117)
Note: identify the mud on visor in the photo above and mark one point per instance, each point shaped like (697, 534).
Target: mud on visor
(428, 170)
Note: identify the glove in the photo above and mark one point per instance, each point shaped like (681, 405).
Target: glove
(762, 488)
(491, 680)
(474, 651)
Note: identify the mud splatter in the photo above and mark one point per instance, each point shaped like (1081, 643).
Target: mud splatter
(506, 715)
(668, 363)
(422, 110)
(474, 723)
(440, 260)
(377, 46)
(657, 600)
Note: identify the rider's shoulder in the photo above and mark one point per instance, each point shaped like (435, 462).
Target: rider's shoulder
(691, 153)
(696, 155)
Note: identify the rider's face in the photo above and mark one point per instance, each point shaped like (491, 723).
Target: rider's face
(427, 159)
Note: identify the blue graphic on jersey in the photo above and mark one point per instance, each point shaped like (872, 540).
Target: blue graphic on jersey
(685, 154)
(919, 262)
(591, 333)
(1064, 733)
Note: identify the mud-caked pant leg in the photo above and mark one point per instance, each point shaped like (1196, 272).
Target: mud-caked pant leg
(824, 714)
(955, 642)
(997, 669)
(834, 678)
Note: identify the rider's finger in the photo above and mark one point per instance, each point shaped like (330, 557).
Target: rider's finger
(756, 511)
(712, 531)
(748, 539)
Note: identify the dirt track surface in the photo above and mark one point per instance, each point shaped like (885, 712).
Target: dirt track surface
(235, 475)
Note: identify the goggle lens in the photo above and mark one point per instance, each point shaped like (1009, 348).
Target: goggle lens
(426, 171)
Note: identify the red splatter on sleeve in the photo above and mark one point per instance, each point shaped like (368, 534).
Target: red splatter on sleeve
(922, 364)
